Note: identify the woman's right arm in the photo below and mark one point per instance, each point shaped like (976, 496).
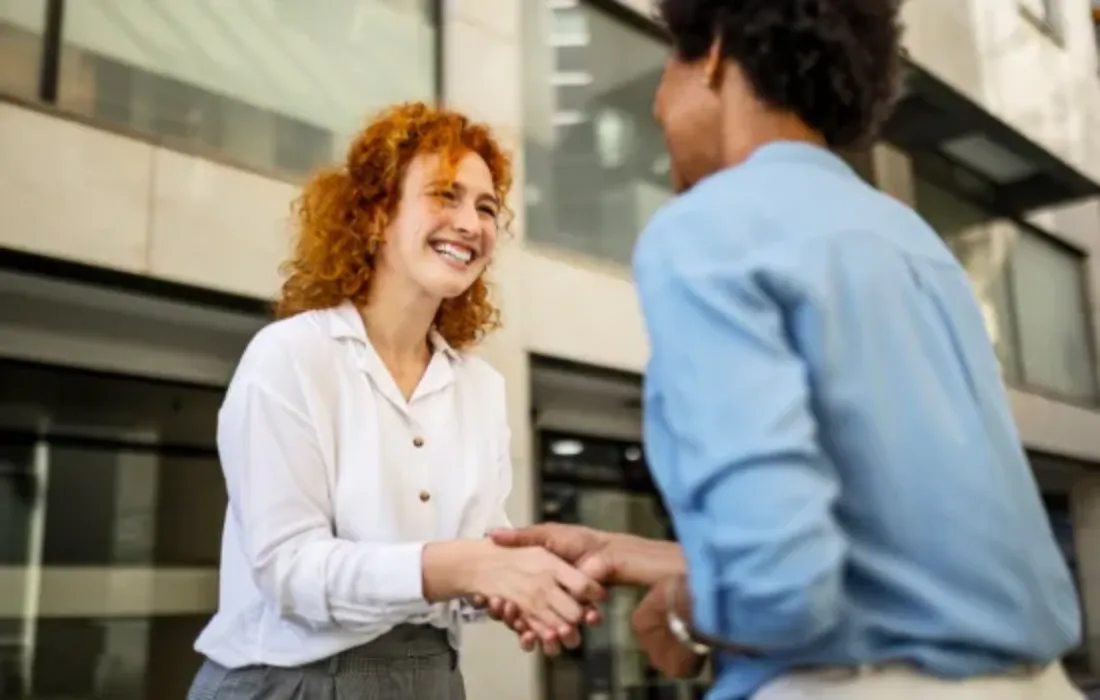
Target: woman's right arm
(278, 493)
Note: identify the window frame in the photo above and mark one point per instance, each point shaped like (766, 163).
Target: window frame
(49, 83)
(644, 25)
(938, 174)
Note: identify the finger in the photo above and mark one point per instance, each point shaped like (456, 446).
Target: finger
(595, 566)
(524, 537)
(551, 647)
(542, 630)
(514, 619)
(593, 616)
(554, 617)
(571, 640)
(510, 611)
(478, 601)
(581, 587)
(569, 611)
(528, 640)
(497, 609)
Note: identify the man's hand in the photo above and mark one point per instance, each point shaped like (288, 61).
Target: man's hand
(570, 542)
(606, 557)
(650, 624)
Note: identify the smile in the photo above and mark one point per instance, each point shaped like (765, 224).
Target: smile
(454, 252)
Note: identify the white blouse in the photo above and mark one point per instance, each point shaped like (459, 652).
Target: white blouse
(336, 482)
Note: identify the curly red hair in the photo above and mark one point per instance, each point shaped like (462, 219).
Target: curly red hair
(343, 212)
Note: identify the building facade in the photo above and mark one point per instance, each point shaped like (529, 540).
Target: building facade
(148, 154)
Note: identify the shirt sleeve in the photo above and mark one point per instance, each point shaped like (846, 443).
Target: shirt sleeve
(748, 485)
(278, 496)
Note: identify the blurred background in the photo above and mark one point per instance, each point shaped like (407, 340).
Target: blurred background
(148, 153)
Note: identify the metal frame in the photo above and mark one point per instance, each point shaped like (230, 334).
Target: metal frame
(56, 268)
(49, 69)
(619, 12)
(437, 11)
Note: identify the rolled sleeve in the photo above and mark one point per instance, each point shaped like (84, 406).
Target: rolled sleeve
(734, 446)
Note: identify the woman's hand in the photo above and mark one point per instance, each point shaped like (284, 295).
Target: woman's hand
(549, 596)
(507, 613)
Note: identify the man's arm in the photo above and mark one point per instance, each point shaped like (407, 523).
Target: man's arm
(614, 558)
(741, 468)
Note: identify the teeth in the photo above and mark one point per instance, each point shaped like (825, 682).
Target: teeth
(454, 252)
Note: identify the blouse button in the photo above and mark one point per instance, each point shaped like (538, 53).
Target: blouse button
(425, 496)
(418, 441)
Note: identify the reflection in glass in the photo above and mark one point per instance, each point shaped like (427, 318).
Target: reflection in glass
(273, 84)
(595, 160)
(111, 504)
(21, 26)
(129, 473)
(102, 658)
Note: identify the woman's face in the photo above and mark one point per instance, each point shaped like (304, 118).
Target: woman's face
(443, 235)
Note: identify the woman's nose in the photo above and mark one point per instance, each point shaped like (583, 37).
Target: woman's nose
(466, 219)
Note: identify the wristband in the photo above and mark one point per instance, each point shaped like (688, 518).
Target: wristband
(679, 628)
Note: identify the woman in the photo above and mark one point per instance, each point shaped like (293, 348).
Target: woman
(365, 453)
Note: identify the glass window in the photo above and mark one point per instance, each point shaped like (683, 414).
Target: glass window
(126, 473)
(21, 28)
(1055, 348)
(273, 84)
(101, 657)
(605, 484)
(1032, 291)
(109, 486)
(595, 160)
(983, 247)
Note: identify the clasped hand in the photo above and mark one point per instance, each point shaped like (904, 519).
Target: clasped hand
(607, 560)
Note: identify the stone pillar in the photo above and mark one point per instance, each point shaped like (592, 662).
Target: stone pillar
(893, 172)
(482, 77)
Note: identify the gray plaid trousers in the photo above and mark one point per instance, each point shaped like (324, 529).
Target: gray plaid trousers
(408, 663)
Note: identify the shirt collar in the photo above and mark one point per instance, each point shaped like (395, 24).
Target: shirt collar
(345, 322)
(799, 152)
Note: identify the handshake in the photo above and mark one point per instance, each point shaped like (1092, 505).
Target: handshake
(551, 577)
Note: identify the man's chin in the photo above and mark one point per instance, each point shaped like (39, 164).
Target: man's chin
(680, 184)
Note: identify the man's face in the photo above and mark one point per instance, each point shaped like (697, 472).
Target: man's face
(688, 108)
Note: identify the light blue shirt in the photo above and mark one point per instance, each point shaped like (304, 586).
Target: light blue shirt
(826, 421)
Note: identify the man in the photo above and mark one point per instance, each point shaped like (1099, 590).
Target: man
(824, 414)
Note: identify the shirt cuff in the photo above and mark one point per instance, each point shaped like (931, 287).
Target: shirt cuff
(399, 572)
(468, 613)
(707, 615)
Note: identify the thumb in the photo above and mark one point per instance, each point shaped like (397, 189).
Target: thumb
(596, 566)
(532, 536)
(506, 538)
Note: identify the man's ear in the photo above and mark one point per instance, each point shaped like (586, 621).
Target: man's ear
(714, 64)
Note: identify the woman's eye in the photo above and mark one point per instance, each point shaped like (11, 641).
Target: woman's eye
(448, 195)
(488, 211)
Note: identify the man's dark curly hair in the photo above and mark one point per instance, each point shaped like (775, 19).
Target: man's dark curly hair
(833, 63)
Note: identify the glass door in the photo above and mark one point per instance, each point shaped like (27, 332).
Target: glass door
(605, 484)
